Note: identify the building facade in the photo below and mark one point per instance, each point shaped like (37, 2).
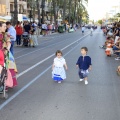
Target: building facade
(3, 7)
(24, 8)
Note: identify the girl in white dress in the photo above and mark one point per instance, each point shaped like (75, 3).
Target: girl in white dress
(58, 71)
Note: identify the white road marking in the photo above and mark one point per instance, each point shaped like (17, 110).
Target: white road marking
(20, 50)
(44, 42)
(36, 78)
(39, 49)
(25, 71)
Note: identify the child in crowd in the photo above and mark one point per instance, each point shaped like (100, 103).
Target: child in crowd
(84, 64)
(109, 49)
(58, 71)
(116, 49)
(108, 40)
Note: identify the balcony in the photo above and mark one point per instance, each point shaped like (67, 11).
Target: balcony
(20, 2)
(23, 3)
(12, 1)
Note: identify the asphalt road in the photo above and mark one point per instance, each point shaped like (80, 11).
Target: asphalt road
(38, 97)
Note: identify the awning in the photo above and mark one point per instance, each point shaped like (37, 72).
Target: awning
(7, 17)
(25, 18)
(2, 19)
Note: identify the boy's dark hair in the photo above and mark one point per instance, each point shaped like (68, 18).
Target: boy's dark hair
(85, 48)
(58, 51)
(8, 23)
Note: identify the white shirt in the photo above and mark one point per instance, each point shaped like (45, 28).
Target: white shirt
(59, 62)
(91, 29)
(44, 26)
(12, 33)
(83, 28)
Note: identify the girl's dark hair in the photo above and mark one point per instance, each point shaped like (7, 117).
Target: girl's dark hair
(1, 23)
(18, 22)
(58, 51)
(85, 48)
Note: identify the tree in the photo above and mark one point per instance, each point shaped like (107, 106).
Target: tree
(38, 8)
(64, 9)
(100, 22)
(15, 13)
(32, 5)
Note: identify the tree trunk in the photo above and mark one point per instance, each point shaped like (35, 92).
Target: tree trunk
(15, 12)
(38, 7)
(80, 20)
(54, 11)
(69, 12)
(64, 9)
(75, 11)
(33, 14)
(51, 14)
(43, 12)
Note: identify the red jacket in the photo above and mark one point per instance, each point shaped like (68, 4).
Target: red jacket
(19, 30)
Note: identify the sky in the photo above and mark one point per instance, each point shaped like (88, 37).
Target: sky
(98, 8)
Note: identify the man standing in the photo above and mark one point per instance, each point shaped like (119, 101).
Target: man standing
(27, 27)
(12, 32)
(19, 32)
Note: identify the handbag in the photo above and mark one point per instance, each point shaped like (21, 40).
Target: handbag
(9, 80)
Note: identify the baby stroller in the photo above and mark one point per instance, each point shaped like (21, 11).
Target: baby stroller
(25, 37)
(3, 78)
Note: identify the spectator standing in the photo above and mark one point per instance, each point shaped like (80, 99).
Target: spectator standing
(12, 32)
(34, 25)
(19, 32)
(117, 32)
(44, 26)
(27, 27)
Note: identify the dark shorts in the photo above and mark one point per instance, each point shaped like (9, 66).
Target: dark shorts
(83, 73)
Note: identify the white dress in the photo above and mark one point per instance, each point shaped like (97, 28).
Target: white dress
(58, 72)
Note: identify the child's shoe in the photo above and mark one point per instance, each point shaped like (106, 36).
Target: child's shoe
(86, 82)
(118, 58)
(59, 81)
(81, 80)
